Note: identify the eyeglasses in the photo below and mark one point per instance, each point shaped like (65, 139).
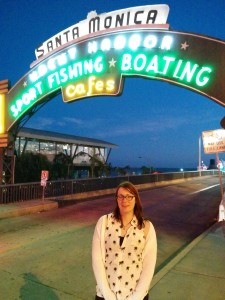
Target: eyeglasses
(127, 197)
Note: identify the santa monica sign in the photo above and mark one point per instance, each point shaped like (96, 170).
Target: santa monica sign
(151, 14)
(93, 57)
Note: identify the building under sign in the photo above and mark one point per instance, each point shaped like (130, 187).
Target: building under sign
(81, 149)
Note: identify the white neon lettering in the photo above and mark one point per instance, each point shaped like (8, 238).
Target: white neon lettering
(51, 64)
(134, 41)
(33, 76)
(62, 59)
(72, 52)
(92, 47)
(106, 44)
(42, 70)
(166, 42)
(119, 42)
(150, 41)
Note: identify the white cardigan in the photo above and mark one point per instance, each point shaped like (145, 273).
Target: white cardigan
(98, 259)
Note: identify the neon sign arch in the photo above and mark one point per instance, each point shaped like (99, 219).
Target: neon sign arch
(96, 65)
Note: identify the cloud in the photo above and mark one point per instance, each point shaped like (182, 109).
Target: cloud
(72, 120)
(153, 126)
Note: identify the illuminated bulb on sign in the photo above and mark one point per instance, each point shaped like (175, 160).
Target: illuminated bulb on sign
(134, 41)
(120, 42)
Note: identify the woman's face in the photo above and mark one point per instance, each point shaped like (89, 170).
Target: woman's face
(125, 200)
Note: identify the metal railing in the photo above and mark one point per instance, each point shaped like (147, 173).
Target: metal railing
(30, 191)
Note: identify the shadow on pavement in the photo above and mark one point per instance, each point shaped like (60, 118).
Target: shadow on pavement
(34, 288)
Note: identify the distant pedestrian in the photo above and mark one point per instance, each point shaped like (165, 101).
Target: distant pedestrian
(124, 249)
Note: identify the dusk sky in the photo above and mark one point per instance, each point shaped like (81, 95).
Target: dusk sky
(154, 123)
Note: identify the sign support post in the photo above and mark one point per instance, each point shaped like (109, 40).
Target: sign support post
(214, 142)
(199, 156)
(44, 178)
(220, 177)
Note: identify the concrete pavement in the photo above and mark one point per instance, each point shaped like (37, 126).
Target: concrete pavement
(197, 272)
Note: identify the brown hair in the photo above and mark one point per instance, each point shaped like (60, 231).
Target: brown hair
(138, 211)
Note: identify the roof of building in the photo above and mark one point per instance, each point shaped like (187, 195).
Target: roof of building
(62, 138)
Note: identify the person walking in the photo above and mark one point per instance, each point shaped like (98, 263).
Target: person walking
(124, 249)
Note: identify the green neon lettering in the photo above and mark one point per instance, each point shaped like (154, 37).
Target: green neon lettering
(168, 60)
(26, 98)
(184, 71)
(52, 79)
(14, 110)
(63, 75)
(19, 104)
(188, 71)
(72, 72)
(98, 65)
(126, 62)
(139, 62)
(39, 88)
(88, 66)
(177, 68)
(203, 80)
(78, 69)
(153, 65)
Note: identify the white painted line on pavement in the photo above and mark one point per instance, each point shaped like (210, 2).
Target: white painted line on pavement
(209, 187)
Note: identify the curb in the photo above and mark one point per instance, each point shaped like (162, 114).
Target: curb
(161, 273)
(20, 211)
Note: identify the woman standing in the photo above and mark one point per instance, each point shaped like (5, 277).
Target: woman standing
(124, 249)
